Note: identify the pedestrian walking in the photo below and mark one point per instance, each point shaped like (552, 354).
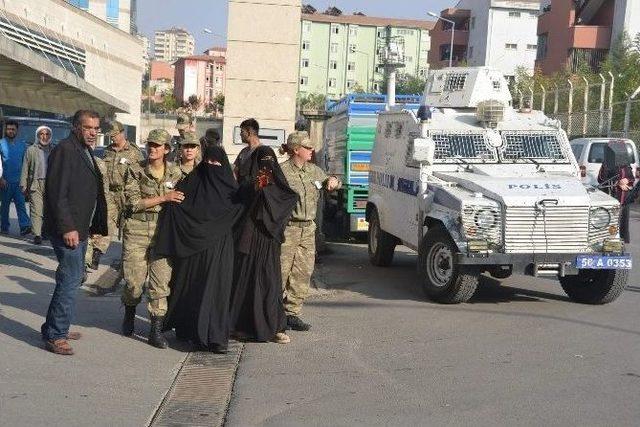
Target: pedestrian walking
(75, 207)
(197, 235)
(299, 247)
(32, 178)
(12, 153)
(149, 185)
(189, 153)
(118, 156)
(617, 177)
(256, 307)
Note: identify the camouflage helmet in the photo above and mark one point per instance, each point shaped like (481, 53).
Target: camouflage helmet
(299, 139)
(113, 128)
(159, 136)
(189, 138)
(183, 121)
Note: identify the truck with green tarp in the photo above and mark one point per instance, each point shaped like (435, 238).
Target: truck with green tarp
(348, 141)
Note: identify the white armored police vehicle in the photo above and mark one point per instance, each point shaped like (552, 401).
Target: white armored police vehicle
(475, 186)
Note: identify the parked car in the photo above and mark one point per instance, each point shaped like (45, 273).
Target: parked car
(589, 154)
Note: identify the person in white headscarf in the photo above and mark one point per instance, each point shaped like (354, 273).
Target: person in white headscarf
(32, 180)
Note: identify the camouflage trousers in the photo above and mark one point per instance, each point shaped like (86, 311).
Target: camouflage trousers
(297, 260)
(36, 206)
(139, 263)
(101, 243)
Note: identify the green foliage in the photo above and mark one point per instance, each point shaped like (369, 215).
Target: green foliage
(312, 101)
(357, 89)
(169, 102)
(407, 84)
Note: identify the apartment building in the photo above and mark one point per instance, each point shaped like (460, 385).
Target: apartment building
(575, 32)
(121, 14)
(199, 75)
(341, 53)
(171, 44)
(496, 33)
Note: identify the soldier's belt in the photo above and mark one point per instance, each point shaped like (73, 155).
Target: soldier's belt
(300, 224)
(115, 187)
(144, 216)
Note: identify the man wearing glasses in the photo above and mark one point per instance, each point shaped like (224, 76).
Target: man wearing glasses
(32, 179)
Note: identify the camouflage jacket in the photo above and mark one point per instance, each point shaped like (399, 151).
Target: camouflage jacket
(117, 163)
(140, 185)
(305, 182)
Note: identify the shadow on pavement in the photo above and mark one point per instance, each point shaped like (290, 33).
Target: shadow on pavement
(22, 262)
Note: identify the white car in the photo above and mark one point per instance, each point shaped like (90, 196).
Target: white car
(589, 153)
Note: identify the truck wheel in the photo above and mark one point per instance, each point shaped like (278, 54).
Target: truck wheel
(443, 280)
(595, 286)
(381, 244)
(500, 273)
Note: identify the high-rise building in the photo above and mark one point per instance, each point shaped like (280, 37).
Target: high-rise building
(572, 32)
(339, 54)
(119, 13)
(199, 75)
(497, 33)
(171, 44)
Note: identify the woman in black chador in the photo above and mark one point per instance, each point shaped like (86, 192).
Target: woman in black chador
(256, 308)
(197, 235)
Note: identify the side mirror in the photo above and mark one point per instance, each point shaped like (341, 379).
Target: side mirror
(424, 150)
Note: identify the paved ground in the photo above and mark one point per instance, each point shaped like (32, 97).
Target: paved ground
(519, 353)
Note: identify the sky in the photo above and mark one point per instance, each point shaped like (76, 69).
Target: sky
(195, 15)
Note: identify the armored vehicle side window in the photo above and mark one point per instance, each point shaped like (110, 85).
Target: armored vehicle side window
(543, 146)
(577, 150)
(469, 146)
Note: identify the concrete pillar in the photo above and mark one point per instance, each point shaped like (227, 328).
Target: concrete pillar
(263, 55)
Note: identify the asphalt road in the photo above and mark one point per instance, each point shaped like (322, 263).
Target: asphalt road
(520, 353)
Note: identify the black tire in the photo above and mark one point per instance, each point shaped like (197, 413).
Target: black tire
(381, 244)
(499, 273)
(595, 286)
(443, 280)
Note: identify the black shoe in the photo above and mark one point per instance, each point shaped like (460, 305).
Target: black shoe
(218, 349)
(95, 259)
(156, 338)
(295, 323)
(25, 230)
(129, 318)
(37, 240)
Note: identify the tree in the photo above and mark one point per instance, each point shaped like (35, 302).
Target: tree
(308, 9)
(218, 103)
(333, 11)
(407, 84)
(194, 102)
(312, 101)
(169, 102)
(356, 88)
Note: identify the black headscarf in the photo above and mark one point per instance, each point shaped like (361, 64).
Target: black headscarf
(266, 193)
(209, 210)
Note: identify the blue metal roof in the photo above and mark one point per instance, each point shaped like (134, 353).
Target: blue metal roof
(368, 103)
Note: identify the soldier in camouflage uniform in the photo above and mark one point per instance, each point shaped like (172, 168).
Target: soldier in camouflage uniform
(117, 157)
(98, 244)
(189, 153)
(298, 252)
(148, 185)
(184, 123)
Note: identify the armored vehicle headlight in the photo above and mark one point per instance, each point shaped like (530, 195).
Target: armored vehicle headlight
(599, 218)
(485, 219)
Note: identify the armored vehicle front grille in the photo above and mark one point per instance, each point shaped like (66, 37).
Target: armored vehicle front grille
(556, 229)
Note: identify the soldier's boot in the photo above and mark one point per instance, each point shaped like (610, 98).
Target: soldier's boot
(129, 318)
(95, 259)
(156, 338)
(295, 323)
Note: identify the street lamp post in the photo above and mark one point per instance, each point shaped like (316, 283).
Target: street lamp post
(453, 30)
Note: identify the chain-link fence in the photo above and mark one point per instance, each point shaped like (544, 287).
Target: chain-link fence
(585, 108)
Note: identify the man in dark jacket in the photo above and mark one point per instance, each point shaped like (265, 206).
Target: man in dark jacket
(74, 209)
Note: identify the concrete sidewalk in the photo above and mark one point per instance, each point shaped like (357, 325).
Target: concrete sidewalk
(110, 381)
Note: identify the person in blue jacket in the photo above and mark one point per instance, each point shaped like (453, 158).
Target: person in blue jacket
(12, 152)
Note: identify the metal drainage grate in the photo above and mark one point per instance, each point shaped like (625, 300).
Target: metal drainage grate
(201, 391)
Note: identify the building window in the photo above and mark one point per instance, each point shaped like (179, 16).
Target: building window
(376, 87)
(353, 31)
(350, 84)
(405, 32)
(306, 45)
(379, 69)
(514, 14)
(408, 58)
(473, 22)
(351, 66)
(335, 29)
(422, 72)
(532, 47)
(511, 46)
(304, 63)
(217, 80)
(304, 81)
(113, 11)
(333, 65)
(332, 83)
(382, 34)
(542, 46)
(352, 48)
(306, 26)
(82, 4)
(334, 47)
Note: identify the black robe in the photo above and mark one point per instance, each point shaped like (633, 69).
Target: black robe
(197, 235)
(256, 309)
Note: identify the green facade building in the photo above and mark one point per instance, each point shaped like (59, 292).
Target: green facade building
(340, 54)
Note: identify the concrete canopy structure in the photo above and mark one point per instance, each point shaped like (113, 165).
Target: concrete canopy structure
(33, 82)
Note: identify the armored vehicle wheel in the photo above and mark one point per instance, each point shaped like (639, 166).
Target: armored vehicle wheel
(595, 286)
(442, 279)
(501, 273)
(381, 244)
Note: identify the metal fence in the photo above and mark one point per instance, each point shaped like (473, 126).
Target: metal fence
(585, 108)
